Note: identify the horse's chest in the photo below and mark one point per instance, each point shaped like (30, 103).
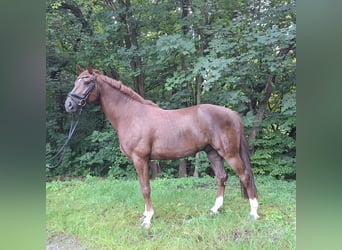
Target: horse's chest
(122, 148)
(134, 143)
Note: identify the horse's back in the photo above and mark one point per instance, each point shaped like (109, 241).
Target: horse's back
(218, 115)
(202, 117)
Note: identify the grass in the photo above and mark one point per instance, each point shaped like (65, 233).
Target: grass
(104, 214)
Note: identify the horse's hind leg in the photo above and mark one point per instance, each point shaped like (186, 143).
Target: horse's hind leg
(221, 176)
(247, 180)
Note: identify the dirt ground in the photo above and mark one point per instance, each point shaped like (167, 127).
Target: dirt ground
(62, 242)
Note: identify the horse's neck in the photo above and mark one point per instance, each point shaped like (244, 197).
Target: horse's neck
(117, 107)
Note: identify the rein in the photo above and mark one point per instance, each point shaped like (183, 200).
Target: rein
(61, 152)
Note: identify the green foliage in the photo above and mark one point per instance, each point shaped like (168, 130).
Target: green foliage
(105, 157)
(276, 145)
(202, 162)
(174, 44)
(122, 167)
(273, 156)
(101, 155)
(221, 51)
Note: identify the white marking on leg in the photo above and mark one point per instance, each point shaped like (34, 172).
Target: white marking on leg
(254, 208)
(146, 219)
(218, 204)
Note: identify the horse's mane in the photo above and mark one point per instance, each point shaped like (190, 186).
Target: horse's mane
(127, 90)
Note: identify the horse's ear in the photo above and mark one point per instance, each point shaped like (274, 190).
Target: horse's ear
(79, 69)
(90, 69)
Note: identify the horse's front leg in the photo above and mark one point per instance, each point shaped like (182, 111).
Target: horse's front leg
(221, 176)
(141, 166)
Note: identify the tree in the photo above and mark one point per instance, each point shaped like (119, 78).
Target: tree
(239, 54)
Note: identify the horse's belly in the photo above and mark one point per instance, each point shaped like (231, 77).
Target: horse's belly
(171, 155)
(175, 149)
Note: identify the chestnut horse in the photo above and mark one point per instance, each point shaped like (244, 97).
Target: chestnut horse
(147, 132)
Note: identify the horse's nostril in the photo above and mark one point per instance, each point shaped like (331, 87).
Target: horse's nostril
(69, 106)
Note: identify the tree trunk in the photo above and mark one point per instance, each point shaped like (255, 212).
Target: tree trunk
(201, 46)
(197, 163)
(182, 168)
(138, 79)
(79, 15)
(267, 94)
(199, 81)
(155, 168)
(261, 111)
(131, 39)
(182, 172)
(185, 13)
(136, 63)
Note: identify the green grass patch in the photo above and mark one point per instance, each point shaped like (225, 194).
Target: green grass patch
(104, 214)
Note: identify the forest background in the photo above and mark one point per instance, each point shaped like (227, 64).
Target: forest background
(239, 54)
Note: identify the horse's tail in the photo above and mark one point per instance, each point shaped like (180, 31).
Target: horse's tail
(245, 156)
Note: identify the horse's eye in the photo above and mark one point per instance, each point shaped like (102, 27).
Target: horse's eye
(86, 81)
(83, 79)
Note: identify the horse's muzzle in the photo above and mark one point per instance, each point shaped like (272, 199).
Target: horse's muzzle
(70, 105)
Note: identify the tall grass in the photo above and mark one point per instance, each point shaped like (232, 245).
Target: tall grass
(104, 214)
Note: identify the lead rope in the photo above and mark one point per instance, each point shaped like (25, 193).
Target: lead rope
(61, 152)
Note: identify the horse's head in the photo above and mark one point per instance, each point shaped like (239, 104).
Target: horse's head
(83, 91)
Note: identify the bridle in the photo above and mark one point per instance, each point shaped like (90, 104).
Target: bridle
(82, 100)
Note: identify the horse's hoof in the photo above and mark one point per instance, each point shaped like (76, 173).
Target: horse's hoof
(146, 225)
(212, 213)
(254, 216)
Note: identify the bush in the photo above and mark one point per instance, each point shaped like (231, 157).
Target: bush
(275, 155)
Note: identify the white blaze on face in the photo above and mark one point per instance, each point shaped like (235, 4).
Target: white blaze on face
(218, 204)
(254, 208)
